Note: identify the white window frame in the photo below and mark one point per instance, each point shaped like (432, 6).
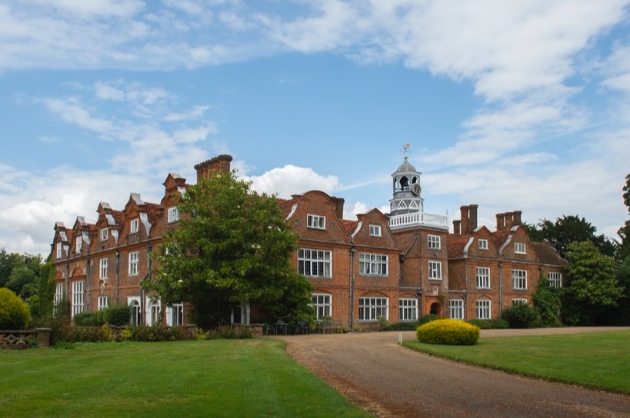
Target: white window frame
(134, 263)
(173, 214)
(175, 315)
(78, 244)
(135, 309)
(154, 312)
(322, 303)
(519, 279)
(103, 302)
(59, 247)
(373, 264)
(408, 309)
(102, 271)
(517, 301)
(58, 292)
(483, 308)
(104, 234)
(456, 308)
(371, 308)
(483, 244)
(434, 242)
(375, 230)
(555, 278)
(519, 248)
(314, 263)
(134, 226)
(435, 270)
(316, 221)
(78, 297)
(483, 277)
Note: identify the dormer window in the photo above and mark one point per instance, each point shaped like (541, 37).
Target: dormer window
(483, 244)
(519, 248)
(316, 221)
(134, 226)
(59, 250)
(173, 215)
(104, 234)
(78, 244)
(375, 230)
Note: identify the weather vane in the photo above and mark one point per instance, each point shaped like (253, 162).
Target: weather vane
(405, 148)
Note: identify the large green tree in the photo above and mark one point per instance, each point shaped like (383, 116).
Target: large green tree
(624, 231)
(591, 285)
(232, 246)
(570, 229)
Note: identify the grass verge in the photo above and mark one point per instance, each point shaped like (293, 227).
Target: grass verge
(594, 360)
(217, 378)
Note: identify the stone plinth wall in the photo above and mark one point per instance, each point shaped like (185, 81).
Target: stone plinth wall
(21, 340)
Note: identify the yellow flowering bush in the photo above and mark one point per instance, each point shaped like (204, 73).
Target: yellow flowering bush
(448, 332)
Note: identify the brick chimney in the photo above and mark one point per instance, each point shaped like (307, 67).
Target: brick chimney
(339, 202)
(509, 220)
(500, 221)
(517, 218)
(220, 164)
(464, 219)
(457, 227)
(472, 222)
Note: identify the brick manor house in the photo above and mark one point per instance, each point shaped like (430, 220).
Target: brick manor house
(400, 265)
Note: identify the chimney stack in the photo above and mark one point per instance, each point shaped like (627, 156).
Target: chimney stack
(220, 164)
(517, 218)
(500, 221)
(465, 211)
(338, 206)
(472, 223)
(457, 227)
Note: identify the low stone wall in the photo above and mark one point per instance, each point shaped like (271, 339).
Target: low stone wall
(21, 340)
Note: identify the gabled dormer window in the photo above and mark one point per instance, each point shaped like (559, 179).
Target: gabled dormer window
(104, 234)
(173, 215)
(316, 221)
(519, 248)
(375, 230)
(483, 244)
(78, 244)
(134, 226)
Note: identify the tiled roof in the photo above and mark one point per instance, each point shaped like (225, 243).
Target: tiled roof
(349, 226)
(547, 254)
(456, 244)
(500, 237)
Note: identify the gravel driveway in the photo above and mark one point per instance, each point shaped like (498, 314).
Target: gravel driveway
(380, 376)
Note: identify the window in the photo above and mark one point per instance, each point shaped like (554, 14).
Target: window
(519, 248)
(483, 277)
(483, 244)
(135, 319)
(102, 273)
(104, 234)
(519, 301)
(456, 308)
(175, 315)
(434, 242)
(555, 279)
(79, 244)
(59, 250)
(372, 265)
(316, 221)
(77, 298)
(134, 226)
(375, 230)
(435, 270)
(173, 214)
(519, 279)
(314, 262)
(408, 309)
(371, 308)
(133, 263)
(103, 302)
(483, 309)
(58, 292)
(322, 305)
(154, 312)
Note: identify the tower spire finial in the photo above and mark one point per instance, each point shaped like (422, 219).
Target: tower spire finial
(405, 148)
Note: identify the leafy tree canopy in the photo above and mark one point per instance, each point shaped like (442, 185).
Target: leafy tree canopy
(570, 229)
(232, 246)
(592, 287)
(624, 231)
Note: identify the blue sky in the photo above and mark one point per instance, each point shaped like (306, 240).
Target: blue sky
(510, 105)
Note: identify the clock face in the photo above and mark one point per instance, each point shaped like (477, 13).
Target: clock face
(415, 189)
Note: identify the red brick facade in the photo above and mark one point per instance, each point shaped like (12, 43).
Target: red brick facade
(360, 269)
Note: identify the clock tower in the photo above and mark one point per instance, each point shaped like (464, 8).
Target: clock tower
(406, 197)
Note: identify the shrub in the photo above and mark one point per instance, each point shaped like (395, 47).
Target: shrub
(521, 315)
(382, 323)
(14, 314)
(500, 324)
(449, 332)
(85, 319)
(402, 326)
(481, 323)
(117, 315)
(428, 318)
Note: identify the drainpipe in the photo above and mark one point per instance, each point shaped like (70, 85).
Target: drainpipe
(500, 290)
(351, 292)
(88, 284)
(117, 274)
(148, 276)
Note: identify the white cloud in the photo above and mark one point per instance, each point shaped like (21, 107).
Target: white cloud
(290, 180)
(195, 113)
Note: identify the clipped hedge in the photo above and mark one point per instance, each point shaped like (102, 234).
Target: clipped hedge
(402, 326)
(521, 315)
(425, 319)
(14, 314)
(117, 315)
(448, 332)
(490, 323)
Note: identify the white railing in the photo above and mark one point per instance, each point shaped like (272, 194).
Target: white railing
(418, 219)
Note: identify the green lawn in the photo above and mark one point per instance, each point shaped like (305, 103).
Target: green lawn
(235, 378)
(596, 360)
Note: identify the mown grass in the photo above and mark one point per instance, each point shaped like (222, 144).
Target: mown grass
(595, 360)
(235, 378)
